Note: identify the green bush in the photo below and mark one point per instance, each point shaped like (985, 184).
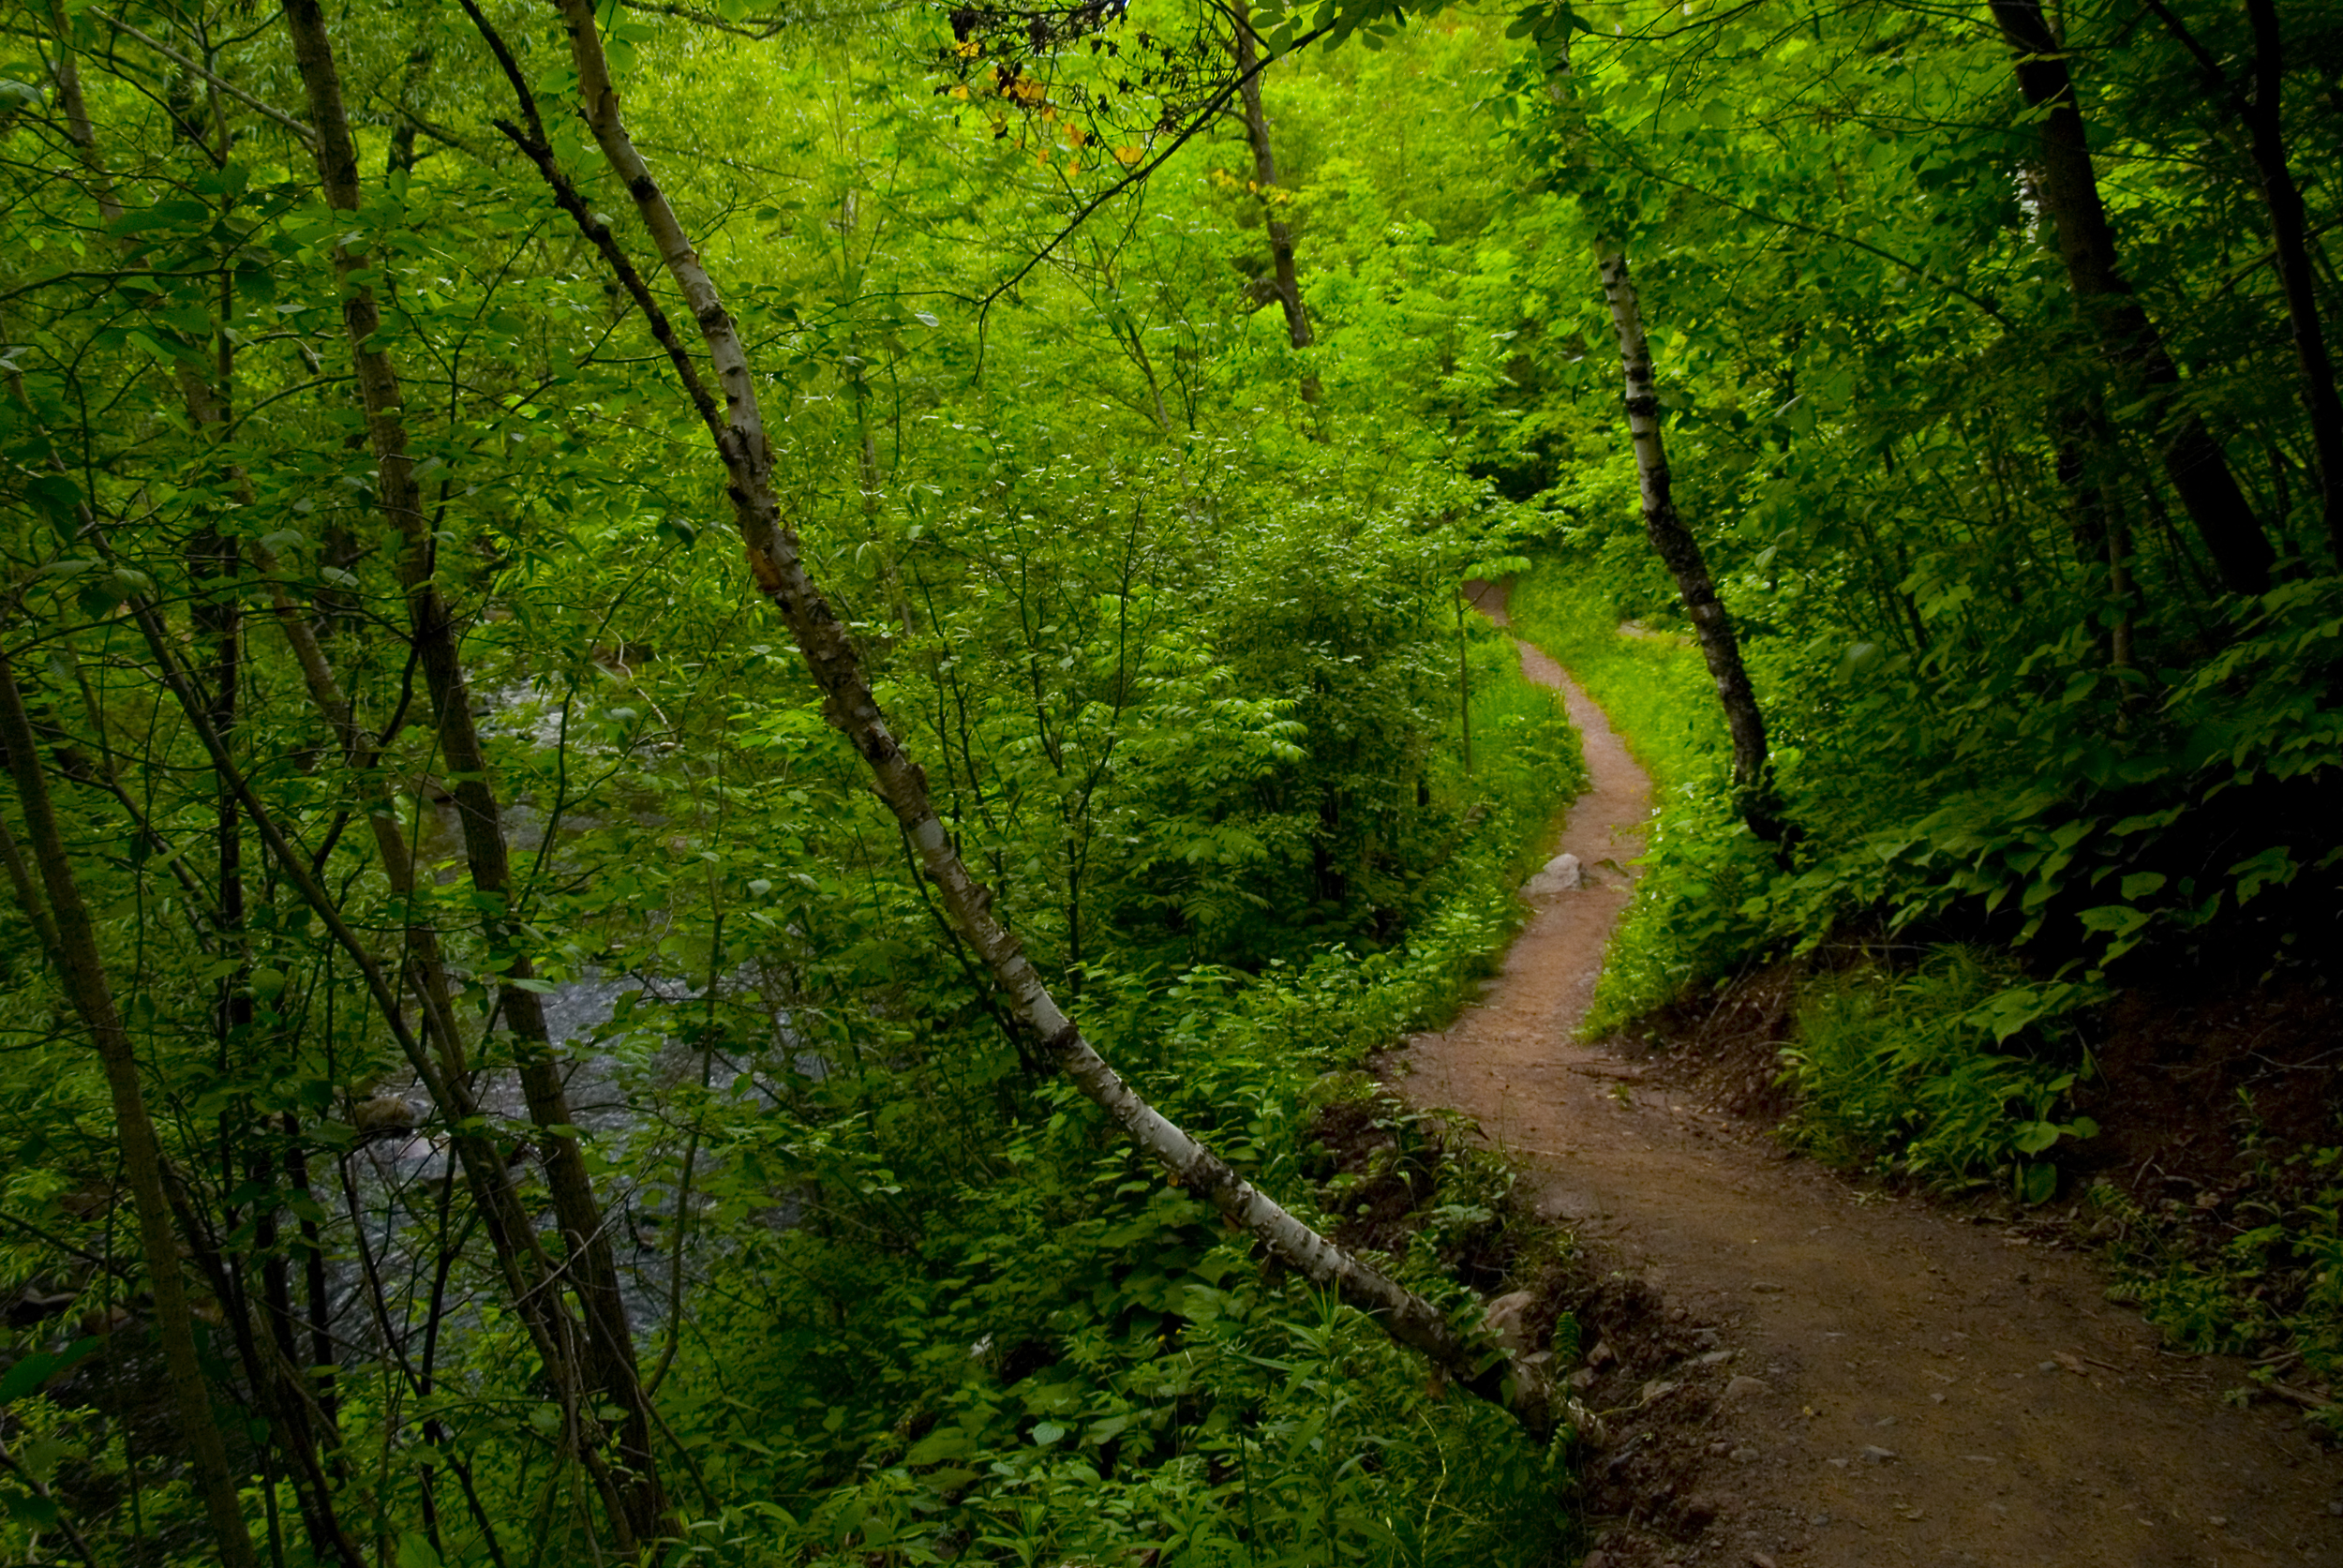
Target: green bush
(1912, 1074)
(1062, 1358)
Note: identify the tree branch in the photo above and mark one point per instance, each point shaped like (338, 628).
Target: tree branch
(182, 61)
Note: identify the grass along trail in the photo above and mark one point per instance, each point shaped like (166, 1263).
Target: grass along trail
(1797, 1369)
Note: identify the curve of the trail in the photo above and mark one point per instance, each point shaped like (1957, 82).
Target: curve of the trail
(1901, 1385)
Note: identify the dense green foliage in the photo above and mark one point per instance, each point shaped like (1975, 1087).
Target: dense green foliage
(1164, 601)
(1185, 662)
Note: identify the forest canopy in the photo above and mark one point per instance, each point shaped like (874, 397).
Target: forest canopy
(728, 724)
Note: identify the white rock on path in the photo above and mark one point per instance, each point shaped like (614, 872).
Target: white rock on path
(1507, 1320)
(1561, 875)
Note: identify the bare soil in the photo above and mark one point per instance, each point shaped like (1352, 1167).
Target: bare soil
(1795, 1369)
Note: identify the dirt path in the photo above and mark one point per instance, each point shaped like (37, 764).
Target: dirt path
(1838, 1377)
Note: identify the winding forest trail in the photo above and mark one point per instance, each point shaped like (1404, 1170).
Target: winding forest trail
(1838, 1376)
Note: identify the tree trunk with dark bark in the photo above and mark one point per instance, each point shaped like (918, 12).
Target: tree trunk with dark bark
(2289, 230)
(1674, 543)
(1284, 281)
(84, 975)
(591, 1264)
(2127, 339)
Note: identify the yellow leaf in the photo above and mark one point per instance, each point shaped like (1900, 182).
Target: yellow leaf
(1127, 156)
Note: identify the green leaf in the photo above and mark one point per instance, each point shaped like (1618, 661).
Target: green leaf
(2037, 1183)
(2118, 920)
(2273, 867)
(945, 1442)
(37, 1369)
(416, 1551)
(2034, 1137)
(59, 499)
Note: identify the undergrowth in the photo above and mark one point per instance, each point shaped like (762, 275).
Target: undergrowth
(2267, 1283)
(1954, 1074)
(1064, 1359)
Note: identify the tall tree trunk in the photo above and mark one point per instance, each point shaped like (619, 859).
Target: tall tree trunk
(780, 574)
(591, 1263)
(1284, 281)
(84, 976)
(2289, 230)
(29, 895)
(1464, 679)
(2127, 338)
(1753, 774)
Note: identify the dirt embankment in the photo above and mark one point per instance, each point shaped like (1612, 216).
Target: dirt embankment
(1796, 1370)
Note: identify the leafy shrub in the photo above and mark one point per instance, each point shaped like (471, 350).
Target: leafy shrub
(1910, 1073)
(1050, 1355)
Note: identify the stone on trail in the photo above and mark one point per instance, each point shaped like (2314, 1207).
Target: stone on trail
(1747, 1387)
(1506, 1321)
(1561, 875)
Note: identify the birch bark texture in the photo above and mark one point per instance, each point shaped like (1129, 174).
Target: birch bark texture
(1468, 1357)
(1674, 543)
(2126, 337)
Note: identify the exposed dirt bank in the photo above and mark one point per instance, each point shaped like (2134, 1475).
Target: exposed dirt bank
(1831, 1376)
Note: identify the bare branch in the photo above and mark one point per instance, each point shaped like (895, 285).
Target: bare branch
(303, 131)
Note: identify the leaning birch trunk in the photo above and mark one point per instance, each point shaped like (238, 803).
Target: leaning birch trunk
(84, 974)
(592, 1266)
(1467, 1357)
(1753, 780)
(2127, 339)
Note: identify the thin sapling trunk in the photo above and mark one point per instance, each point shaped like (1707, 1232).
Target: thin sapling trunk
(84, 975)
(1752, 775)
(1284, 281)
